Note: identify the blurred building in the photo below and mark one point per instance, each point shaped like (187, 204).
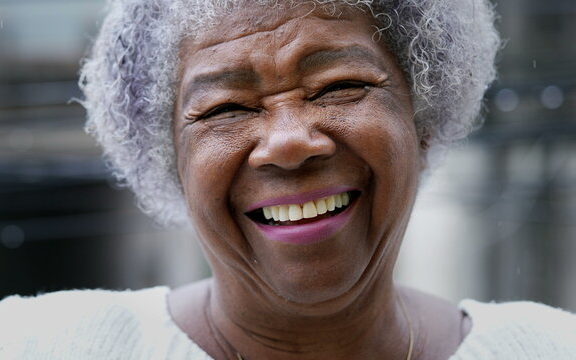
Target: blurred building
(498, 221)
(63, 224)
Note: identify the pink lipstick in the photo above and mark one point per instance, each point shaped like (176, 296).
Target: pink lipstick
(304, 218)
(308, 233)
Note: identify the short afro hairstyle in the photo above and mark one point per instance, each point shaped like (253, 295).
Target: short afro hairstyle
(446, 49)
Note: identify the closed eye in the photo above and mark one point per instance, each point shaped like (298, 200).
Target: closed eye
(222, 109)
(340, 86)
(230, 109)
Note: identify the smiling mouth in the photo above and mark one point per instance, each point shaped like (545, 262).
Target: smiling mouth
(297, 214)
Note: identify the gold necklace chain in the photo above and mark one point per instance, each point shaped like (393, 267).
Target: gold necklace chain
(408, 320)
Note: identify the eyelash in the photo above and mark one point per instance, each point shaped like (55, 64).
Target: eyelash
(340, 85)
(224, 108)
(230, 107)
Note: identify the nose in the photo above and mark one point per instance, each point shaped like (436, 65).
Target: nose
(288, 142)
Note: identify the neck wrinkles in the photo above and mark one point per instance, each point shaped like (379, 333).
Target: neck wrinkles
(372, 324)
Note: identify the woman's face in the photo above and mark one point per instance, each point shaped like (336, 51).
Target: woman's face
(285, 114)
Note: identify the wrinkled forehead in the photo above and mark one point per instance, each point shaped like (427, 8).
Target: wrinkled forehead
(250, 17)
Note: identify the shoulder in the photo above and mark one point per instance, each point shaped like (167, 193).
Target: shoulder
(526, 315)
(518, 330)
(71, 308)
(95, 321)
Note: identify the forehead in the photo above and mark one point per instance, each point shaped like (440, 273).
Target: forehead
(258, 33)
(253, 18)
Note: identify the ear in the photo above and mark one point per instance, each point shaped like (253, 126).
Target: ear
(424, 137)
(424, 146)
(425, 143)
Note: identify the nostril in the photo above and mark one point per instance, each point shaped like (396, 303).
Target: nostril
(290, 150)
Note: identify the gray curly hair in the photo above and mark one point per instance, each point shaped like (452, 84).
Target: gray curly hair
(445, 47)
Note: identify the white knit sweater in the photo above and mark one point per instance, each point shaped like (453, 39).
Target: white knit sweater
(98, 324)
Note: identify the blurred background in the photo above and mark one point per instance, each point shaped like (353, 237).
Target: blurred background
(496, 222)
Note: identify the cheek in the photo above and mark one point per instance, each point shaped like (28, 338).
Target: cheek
(384, 137)
(381, 131)
(207, 163)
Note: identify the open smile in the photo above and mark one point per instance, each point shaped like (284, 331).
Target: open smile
(307, 222)
(310, 211)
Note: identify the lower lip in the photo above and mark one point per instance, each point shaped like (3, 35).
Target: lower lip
(309, 233)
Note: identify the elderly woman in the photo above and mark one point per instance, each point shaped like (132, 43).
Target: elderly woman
(292, 136)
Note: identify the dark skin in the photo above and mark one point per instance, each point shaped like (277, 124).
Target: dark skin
(281, 103)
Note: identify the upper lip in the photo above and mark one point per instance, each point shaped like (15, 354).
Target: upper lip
(300, 198)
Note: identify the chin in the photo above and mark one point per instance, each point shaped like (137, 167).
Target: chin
(320, 280)
(310, 293)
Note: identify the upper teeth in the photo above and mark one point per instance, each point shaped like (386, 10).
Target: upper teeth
(310, 209)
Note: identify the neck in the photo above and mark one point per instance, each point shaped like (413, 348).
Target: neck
(364, 323)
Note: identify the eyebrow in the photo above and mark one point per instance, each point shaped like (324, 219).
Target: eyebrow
(235, 78)
(243, 78)
(325, 58)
